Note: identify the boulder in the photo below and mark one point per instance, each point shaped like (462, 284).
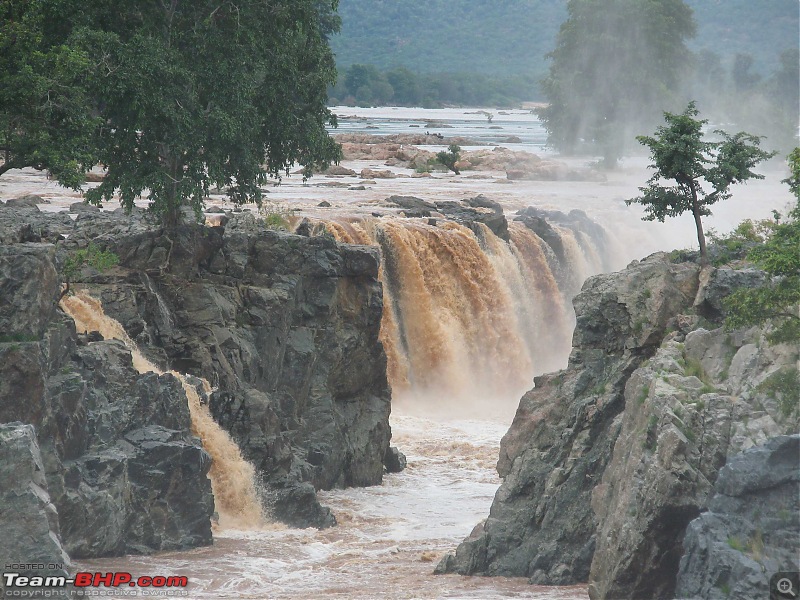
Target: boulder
(29, 287)
(339, 170)
(83, 207)
(372, 174)
(27, 201)
(476, 210)
(412, 206)
(28, 519)
(751, 529)
(394, 460)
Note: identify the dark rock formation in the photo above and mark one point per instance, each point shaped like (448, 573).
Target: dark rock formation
(541, 524)
(638, 426)
(751, 529)
(30, 531)
(394, 460)
(123, 469)
(284, 326)
(476, 210)
(412, 206)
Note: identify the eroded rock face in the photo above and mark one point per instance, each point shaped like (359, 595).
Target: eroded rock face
(541, 524)
(28, 519)
(751, 529)
(121, 466)
(285, 327)
(685, 415)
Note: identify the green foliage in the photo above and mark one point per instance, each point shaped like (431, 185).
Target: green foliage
(736, 245)
(740, 91)
(615, 65)
(275, 216)
(196, 94)
(784, 386)
(450, 158)
(735, 543)
(514, 35)
(693, 368)
(92, 256)
(366, 85)
(46, 121)
(680, 155)
(778, 300)
(793, 181)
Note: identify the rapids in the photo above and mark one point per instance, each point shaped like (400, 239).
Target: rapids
(233, 480)
(469, 319)
(388, 540)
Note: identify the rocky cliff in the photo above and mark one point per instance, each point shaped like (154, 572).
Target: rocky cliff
(113, 458)
(751, 528)
(285, 328)
(608, 461)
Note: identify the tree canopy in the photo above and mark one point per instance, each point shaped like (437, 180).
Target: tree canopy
(681, 155)
(616, 65)
(46, 117)
(172, 96)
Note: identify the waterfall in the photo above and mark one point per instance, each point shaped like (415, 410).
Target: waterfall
(469, 317)
(232, 478)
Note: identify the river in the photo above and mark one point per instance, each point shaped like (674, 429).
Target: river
(391, 536)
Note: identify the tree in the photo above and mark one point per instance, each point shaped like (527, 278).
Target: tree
(779, 256)
(616, 65)
(450, 158)
(680, 154)
(194, 94)
(46, 118)
(744, 79)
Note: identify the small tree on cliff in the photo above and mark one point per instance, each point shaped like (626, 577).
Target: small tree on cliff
(680, 154)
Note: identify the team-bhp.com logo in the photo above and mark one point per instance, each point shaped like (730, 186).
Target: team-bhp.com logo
(19, 582)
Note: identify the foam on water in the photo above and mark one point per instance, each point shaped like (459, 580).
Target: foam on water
(388, 540)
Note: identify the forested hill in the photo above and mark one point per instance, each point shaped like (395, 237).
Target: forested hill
(511, 37)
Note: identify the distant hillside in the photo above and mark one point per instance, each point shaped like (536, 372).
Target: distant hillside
(505, 37)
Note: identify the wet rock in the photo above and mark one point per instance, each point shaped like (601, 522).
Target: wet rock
(339, 170)
(122, 467)
(83, 207)
(28, 519)
(751, 529)
(28, 290)
(541, 525)
(412, 206)
(28, 201)
(324, 204)
(304, 228)
(476, 210)
(394, 460)
(286, 327)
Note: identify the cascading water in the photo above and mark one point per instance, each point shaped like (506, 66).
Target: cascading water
(467, 315)
(468, 320)
(232, 478)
